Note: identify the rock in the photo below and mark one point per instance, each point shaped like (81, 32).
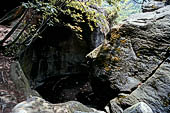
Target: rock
(154, 92)
(103, 25)
(97, 38)
(7, 101)
(115, 108)
(93, 54)
(38, 105)
(152, 5)
(133, 51)
(114, 104)
(21, 82)
(140, 107)
(9, 95)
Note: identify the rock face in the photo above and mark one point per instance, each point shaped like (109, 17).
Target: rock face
(155, 91)
(134, 51)
(21, 82)
(115, 108)
(38, 105)
(131, 55)
(9, 94)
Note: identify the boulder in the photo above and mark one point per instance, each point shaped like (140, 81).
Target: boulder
(20, 80)
(115, 108)
(140, 107)
(154, 92)
(133, 51)
(39, 105)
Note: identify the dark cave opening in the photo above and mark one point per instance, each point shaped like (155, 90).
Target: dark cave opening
(80, 87)
(75, 87)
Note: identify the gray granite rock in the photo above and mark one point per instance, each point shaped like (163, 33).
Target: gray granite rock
(115, 108)
(140, 107)
(20, 80)
(38, 105)
(154, 92)
(133, 50)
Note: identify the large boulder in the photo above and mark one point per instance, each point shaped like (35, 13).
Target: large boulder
(38, 105)
(154, 92)
(132, 52)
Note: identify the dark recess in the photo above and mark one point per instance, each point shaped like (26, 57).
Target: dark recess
(76, 87)
(8, 5)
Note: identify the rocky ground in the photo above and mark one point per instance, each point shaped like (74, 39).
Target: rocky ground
(9, 96)
(129, 71)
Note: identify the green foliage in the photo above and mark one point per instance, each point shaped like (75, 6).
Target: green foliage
(76, 15)
(80, 17)
(81, 13)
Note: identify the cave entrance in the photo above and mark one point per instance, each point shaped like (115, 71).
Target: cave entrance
(73, 87)
(66, 56)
